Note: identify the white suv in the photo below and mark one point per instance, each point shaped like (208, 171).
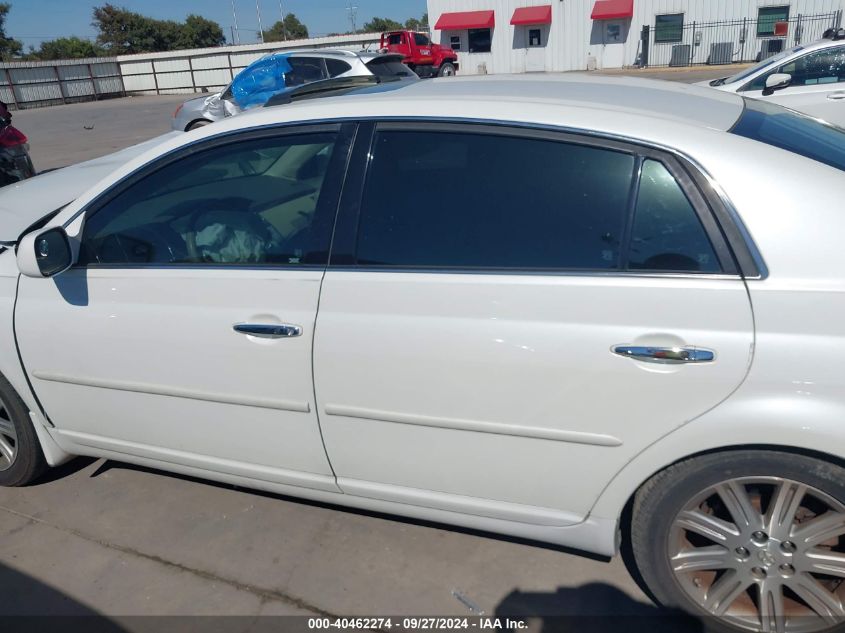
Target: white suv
(810, 79)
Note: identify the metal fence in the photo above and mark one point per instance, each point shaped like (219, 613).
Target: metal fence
(728, 41)
(211, 69)
(36, 84)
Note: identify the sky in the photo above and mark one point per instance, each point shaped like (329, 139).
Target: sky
(33, 21)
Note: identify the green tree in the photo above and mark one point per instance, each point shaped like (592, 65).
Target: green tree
(288, 29)
(379, 25)
(66, 48)
(198, 32)
(9, 47)
(124, 32)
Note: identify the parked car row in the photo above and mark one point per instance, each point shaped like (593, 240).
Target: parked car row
(278, 72)
(615, 315)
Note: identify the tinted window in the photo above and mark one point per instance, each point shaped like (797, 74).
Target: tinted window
(337, 67)
(394, 39)
(420, 39)
(500, 202)
(794, 132)
(667, 234)
(252, 202)
(669, 28)
(479, 40)
(305, 70)
(389, 68)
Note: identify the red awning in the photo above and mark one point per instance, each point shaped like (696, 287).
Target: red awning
(532, 15)
(466, 20)
(612, 9)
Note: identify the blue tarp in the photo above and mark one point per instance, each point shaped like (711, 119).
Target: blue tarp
(259, 81)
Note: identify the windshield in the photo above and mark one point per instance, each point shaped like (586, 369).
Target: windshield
(769, 61)
(792, 131)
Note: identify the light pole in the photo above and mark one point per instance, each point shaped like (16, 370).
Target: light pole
(258, 12)
(235, 18)
(282, 18)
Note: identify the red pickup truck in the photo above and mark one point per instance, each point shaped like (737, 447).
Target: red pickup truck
(420, 54)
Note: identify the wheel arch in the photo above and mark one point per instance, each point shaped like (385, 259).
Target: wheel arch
(754, 418)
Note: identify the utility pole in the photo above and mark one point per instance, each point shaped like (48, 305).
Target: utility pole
(258, 12)
(235, 18)
(353, 15)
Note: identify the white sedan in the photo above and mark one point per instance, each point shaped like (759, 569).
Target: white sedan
(809, 78)
(616, 316)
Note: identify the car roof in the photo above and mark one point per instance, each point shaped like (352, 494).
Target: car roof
(602, 95)
(316, 52)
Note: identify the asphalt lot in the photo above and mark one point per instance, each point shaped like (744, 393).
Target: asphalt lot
(101, 537)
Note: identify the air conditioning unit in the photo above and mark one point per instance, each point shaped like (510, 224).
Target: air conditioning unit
(721, 53)
(681, 55)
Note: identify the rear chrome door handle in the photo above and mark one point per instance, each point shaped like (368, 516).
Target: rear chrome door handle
(666, 354)
(836, 96)
(268, 330)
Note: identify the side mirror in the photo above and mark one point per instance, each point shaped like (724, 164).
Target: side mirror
(45, 254)
(776, 81)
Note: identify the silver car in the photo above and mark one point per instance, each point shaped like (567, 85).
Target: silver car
(808, 78)
(280, 71)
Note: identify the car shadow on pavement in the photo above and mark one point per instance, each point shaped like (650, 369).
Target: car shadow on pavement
(26, 604)
(65, 470)
(592, 608)
(111, 464)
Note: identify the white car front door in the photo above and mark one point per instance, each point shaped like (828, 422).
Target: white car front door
(817, 87)
(503, 348)
(184, 333)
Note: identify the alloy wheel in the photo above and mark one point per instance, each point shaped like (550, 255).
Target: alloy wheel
(763, 554)
(8, 438)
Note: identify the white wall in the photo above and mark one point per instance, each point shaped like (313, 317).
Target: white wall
(574, 38)
(213, 68)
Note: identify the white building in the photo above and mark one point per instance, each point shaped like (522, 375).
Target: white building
(514, 36)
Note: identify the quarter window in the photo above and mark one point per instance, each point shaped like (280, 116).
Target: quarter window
(480, 40)
(251, 202)
(667, 234)
(502, 202)
(669, 28)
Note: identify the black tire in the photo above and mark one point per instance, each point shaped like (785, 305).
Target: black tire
(447, 69)
(661, 498)
(198, 124)
(28, 463)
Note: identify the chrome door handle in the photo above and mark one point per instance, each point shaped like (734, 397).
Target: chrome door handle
(268, 330)
(835, 96)
(666, 354)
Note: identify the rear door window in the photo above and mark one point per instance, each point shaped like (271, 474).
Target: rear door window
(523, 203)
(501, 202)
(337, 67)
(305, 70)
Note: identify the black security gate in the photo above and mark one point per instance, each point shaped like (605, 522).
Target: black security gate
(673, 42)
